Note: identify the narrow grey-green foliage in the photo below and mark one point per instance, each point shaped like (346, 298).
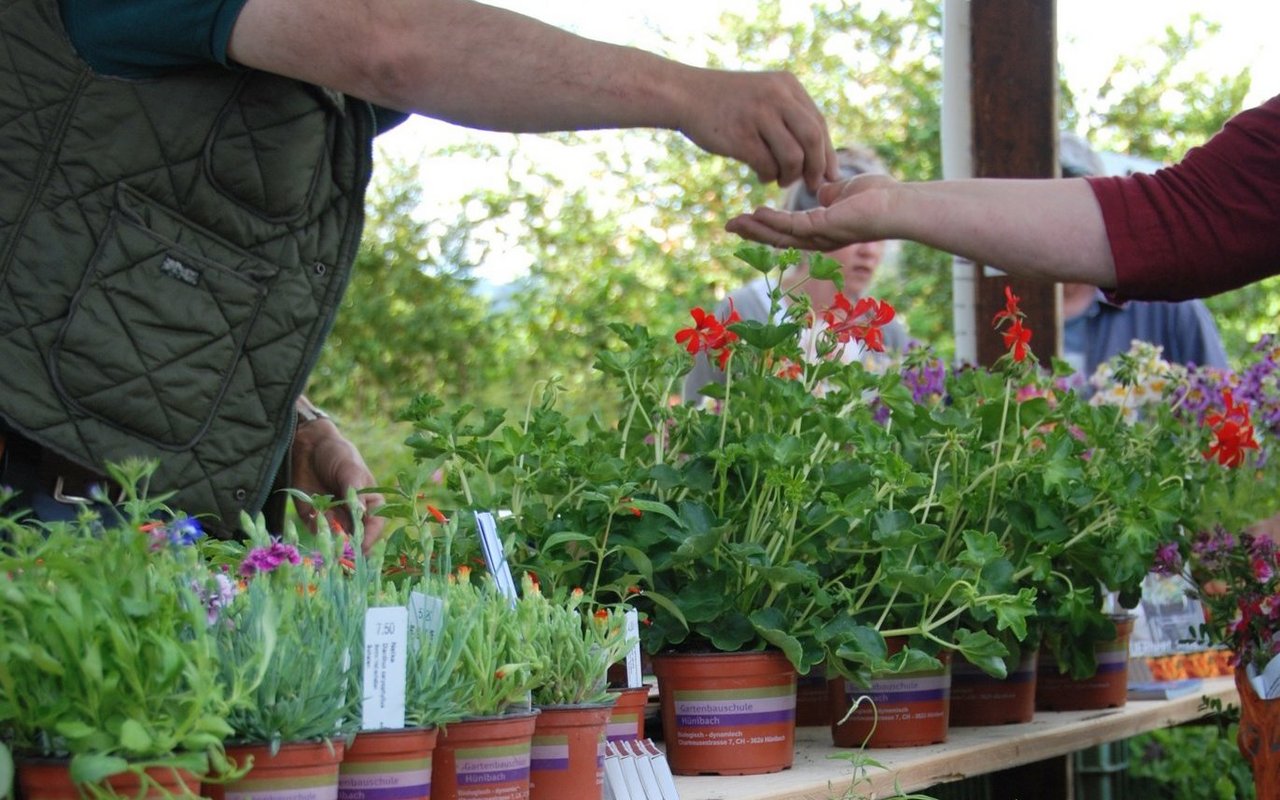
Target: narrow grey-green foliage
(106, 655)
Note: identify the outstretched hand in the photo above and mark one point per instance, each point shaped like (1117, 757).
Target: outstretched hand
(851, 211)
(327, 463)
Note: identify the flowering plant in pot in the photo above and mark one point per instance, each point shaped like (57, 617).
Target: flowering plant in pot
(714, 519)
(107, 657)
(576, 644)
(1227, 545)
(305, 607)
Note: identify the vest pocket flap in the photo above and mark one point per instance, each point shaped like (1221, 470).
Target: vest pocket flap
(154, 334)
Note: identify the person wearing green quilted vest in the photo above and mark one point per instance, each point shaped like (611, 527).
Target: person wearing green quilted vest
(181, 199)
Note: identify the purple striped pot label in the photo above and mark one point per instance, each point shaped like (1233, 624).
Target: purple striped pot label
(763, 705)
(909, 688)
(302, 787)
(409, 779)
(549, 754)
(483, 766)
(1111, 656)
(963, 672)
(622, 727)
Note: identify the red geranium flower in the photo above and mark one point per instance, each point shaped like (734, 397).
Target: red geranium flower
(1016, 339)
(1011, 310)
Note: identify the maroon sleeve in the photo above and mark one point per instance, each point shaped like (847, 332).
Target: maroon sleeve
(1205, 225)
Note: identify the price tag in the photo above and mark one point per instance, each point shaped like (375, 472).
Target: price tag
(494, 555)
(631, 623)
(426, 617)
(386, 632)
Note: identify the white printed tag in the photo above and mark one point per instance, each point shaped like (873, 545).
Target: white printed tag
(494, 555)
(386, 633)
(632, 625)
(426, 617)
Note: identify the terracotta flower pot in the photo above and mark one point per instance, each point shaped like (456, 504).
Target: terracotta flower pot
(1108, 687)
(906, 709)
(626, 721)
(484, 758)
(302, 770)
(1259, 736)
(388, 765)
(568, 752)
(50, 779)
(979, 699)
(813, 699)
(727, 713)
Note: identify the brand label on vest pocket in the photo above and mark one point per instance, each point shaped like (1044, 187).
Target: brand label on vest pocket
(176, 269)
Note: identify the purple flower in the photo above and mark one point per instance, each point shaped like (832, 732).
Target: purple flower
(1168, 559)
(928, 382)
(266, 559)
(216, 596)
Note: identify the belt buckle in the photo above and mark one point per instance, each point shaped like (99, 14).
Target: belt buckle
(62, 497)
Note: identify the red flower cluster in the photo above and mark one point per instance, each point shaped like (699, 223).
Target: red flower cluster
(859, 321)
(1018, 337)
(710, 335)
(1232, 432)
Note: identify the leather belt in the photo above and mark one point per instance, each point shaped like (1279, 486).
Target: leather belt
(25, 462)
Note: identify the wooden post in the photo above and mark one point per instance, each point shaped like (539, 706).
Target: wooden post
(1014, 72)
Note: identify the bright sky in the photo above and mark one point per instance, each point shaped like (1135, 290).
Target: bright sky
(1091, 34)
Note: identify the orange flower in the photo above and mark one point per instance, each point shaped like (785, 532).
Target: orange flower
(435, 512)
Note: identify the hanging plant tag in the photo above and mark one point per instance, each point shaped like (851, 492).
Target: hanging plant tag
(386, 633)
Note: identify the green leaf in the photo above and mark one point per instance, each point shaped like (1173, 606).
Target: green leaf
(74, 729)
(761, 258)
(983, 651)
(772, 625)
(92, 767)
(134, 737)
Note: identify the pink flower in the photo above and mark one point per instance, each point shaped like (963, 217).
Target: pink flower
(267, 559)
(1262, 570)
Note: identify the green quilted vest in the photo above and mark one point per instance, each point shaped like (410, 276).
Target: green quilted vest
(172, 253)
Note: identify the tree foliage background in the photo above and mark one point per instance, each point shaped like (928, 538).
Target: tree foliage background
(642, 241)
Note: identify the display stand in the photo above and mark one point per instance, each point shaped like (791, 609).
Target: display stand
(967, 752)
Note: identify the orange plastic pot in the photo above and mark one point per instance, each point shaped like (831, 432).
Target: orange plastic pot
(300, 770)
(50, 779)
(979, 699)
(1108, 687)
(727, 713)
(813, 699)
(567, 758)
(905, 709)
(626, 720)
(484, 758)
(388, 765)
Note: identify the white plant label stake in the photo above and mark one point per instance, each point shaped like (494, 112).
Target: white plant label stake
(386, 636)
(494, 555)
(631, 622)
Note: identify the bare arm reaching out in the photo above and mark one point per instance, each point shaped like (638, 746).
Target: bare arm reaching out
(485, 67)
(1046, 229)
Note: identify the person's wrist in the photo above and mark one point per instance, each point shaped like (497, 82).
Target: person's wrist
(308, 413)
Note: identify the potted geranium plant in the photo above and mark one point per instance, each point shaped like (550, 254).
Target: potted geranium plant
(716, 520)
(110, 673)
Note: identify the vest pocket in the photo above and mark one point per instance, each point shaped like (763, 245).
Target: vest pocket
(154, 334)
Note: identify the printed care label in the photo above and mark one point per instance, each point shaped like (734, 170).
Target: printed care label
(494, 555)
(734, 718)
(631, 621)
(386, 632)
